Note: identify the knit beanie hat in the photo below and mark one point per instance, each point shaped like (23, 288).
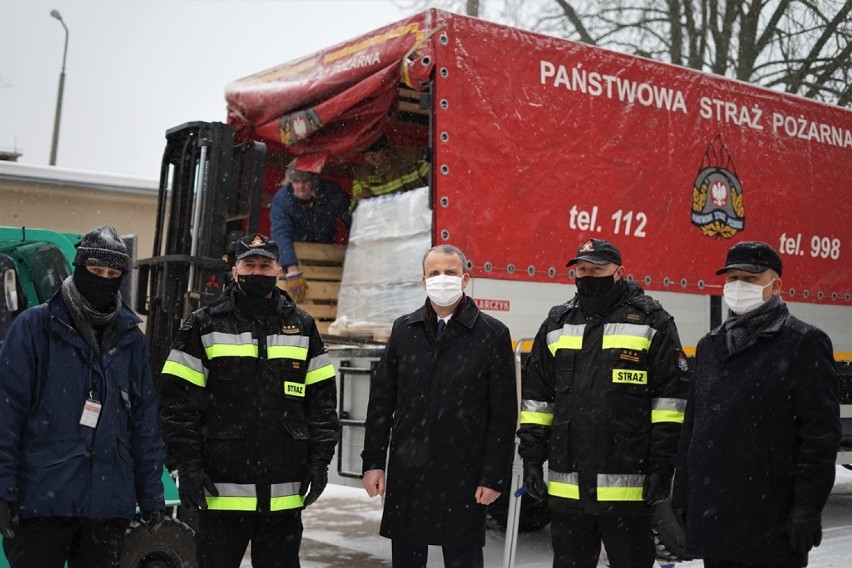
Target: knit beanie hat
(103, 247)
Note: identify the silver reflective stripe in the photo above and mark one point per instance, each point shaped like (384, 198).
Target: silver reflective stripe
(536, 406)
(567, 329)
(625, 330)
(676, 404)
(620, 479)
(288, 341)
(319, 362)
(219, 338)
(285, 489)
(572, 478)
(236, 489)
(187, 360)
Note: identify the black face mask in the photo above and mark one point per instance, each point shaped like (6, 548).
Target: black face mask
(100, 292)
(256, 285)
(594, 286)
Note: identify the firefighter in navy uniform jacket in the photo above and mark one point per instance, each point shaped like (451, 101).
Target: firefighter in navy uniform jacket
(249, 416)
(603, 397)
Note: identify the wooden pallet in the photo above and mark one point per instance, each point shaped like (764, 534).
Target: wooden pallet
(322, 267)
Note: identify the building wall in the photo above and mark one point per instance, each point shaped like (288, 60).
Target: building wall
(76, 202)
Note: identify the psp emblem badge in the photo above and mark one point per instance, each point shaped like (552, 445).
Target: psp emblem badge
(717, 194)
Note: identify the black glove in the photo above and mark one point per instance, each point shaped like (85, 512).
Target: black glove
(804, 529)
(152, 519)
(7, 518)
(657, 486)
(680, 517)
(317, 478)
(534, 480)
(191, 487)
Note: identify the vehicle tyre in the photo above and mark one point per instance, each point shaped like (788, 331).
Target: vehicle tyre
(534, 513)
(669, 537)
(171, 545)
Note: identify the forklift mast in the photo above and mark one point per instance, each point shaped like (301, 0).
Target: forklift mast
(209, 196)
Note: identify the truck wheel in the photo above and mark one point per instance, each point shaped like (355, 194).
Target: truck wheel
(172, 545)
(534, 513)
(669, 537)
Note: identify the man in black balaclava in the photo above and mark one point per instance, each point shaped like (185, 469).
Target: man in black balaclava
(603, 399)
(249, 415)
(81, 448)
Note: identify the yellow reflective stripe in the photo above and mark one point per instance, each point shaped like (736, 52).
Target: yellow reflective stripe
(630, 376)
(564, 490)
(288, 339)
(627, 336)
(421, 172)
(620, 486)
(626, 342)
(667, 409)
(231, 503)
(184, 372)
(566, 342)
(666, 416)
(321, 374)
(620, 494)
(286, 502)
(226, 350)
(543, 418)
(566, 337)
(287, 352)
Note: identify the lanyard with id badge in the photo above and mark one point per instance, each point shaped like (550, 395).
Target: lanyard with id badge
(91, 412)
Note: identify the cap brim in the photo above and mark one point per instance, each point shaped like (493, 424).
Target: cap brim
(265, 253)
(753, 268)
(594, 260)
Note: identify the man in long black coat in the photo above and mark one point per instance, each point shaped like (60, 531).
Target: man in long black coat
(762, 426)
(445, 390)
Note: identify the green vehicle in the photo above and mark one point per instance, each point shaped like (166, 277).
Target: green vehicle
(33, 264)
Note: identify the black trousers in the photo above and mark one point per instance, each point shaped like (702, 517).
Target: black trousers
(48, 542)
(577, 539)
(409, 555)
(223, 537)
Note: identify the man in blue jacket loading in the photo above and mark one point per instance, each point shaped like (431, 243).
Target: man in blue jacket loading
(306, 209)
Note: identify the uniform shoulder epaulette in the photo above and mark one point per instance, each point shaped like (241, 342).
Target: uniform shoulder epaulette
(645, 303)
(557, 312)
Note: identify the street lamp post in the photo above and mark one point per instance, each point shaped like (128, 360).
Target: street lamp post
(58, 16)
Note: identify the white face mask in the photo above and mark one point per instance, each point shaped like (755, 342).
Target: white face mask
(444, 290)
(742, 297)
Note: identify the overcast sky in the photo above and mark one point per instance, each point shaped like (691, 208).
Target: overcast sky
(137, 67)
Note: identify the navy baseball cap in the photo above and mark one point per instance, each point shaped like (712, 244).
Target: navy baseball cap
(597, 251)
(752, 256)
(256, 244)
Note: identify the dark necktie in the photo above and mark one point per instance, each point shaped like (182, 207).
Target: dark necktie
(442, 325)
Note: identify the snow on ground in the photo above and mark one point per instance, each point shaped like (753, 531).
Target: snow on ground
(342, 531)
